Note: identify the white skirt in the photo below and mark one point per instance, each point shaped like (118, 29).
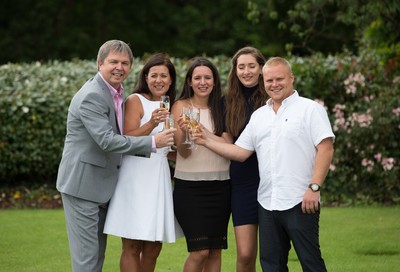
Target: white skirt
(142, 205)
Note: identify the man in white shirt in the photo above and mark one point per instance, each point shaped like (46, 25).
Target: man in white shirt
(293, 139)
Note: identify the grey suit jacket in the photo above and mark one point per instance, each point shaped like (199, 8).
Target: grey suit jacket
(93, 145)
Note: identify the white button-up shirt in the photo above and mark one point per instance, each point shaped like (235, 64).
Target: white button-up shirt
(285, 143)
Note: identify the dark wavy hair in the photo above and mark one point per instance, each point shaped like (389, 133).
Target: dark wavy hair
(214, 100)
(235, 103)
(156, 60)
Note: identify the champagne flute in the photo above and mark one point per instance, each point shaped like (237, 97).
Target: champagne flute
(169, 123)
(194, 124)
(186, 117)
(164, 102)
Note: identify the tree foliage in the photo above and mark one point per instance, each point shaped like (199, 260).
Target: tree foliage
(66, 29)
(328, 26)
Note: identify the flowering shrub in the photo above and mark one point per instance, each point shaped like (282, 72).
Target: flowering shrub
(360, 93)
(362, 99)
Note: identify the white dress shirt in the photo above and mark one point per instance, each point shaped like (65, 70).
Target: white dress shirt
(285, 143)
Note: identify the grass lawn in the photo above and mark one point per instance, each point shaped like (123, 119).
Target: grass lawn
(352, 239)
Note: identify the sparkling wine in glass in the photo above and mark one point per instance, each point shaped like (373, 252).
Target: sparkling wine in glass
(186, 117)
(194, 124)
(165, 102)
(169, 123)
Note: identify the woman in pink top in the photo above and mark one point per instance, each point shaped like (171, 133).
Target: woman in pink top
(202, 185)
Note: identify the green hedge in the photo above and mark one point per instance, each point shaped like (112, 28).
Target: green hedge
(361, 94)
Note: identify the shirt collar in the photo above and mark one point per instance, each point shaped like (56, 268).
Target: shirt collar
(113, 91)
(286, 101)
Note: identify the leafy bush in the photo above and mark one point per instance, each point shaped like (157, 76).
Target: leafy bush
(34, 101)
(33, 107)
(361, 96)
(359, 92)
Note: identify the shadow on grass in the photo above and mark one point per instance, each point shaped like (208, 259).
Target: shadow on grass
(377, 252)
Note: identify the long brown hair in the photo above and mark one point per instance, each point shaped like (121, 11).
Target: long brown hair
(235, 103)
(214, 100)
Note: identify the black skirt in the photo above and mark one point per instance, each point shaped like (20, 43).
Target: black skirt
(245, 179)
(202, 209)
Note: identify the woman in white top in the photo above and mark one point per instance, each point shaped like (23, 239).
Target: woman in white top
(141, 209)
(202, 185)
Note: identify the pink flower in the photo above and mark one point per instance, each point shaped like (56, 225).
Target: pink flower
(378, 156)
(359, 78)
(396, 111)
(363, 120)
(340, 121)
(364, 162)
(350, 82)
(367, 163)
(351, 89)
(338, 109)
(388, 163)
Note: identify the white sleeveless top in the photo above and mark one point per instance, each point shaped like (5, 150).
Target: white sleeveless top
(202, 163)
(148, 107)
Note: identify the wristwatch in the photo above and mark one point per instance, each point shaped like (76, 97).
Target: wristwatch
(314, 187)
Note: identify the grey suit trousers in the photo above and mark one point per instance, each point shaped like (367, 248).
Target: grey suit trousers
(84, 220)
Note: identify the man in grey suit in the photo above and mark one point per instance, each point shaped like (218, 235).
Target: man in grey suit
(93, 148)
